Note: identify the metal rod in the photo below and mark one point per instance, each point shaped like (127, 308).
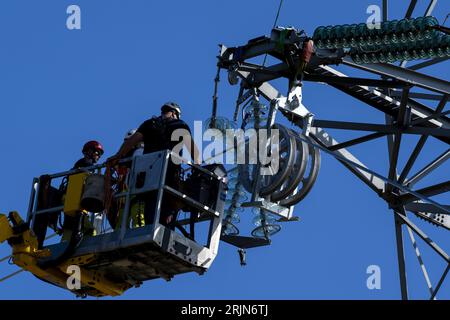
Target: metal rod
(355, 81)
(196, 204)
(11, 275)
(427, 63)
(35, 203)
(422, 111)
(440, 282)
(32, 199)
(412, 158)
(427, 192)
(402, 108)
(419, 258)
(87, 169)
(434, 116)
(424, 237)
(430, 8)
(401, 257)
(401, 74)
(394, 149)
(55, 209)
(388, 129)
(236, 110)
(214, 109)
(425, 207)
(373, 173)
(196, 166)
(353, 142)
(411, 8)
(393, 159)
(359, 126)
(125, 213)
(428, 168)
(390, 146)
(418, 95)
(162, 184)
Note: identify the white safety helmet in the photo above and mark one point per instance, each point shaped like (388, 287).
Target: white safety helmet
(171, 106)
(129, 134)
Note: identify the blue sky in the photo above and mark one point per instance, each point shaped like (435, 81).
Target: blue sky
(60, 88)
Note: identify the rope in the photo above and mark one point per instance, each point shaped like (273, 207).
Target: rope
(274, 25)
(11, 275)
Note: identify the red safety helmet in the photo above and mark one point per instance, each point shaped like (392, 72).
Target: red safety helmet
(93, 145)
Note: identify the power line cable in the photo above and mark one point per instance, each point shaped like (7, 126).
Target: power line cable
(274, 25)
(21, 270)
(11, 275)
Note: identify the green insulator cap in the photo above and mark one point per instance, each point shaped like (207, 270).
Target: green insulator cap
(392, 26)
(345, 43)
(423, 54)
(370, 41)
(420, 35)
(404, 38)
(394, 39)
(430, 21)
(398, 55)
(332, 32)
(431, 53)
(319, 33)
(394, 47)
(410, 25)
(402, 26)
(378, 40)
(419, 23)
(390, 57)
(338, 32)
(356, 58)
(365, 58)
(329, 44)
(443, 40)
(327, 32)
(346, 30)
(319, 44)
(415, 54)
(411, 36)
(362, 30)
(373, 58)
(385, 27)
(382, 57)
(440, 52)
(352, 30)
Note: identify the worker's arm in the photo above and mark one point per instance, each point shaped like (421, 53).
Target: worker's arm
(192, 149)
(128, 145)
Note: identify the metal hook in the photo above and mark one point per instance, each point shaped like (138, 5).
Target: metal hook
(242, 256)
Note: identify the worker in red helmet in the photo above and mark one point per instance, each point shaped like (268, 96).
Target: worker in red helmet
(92, 151)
